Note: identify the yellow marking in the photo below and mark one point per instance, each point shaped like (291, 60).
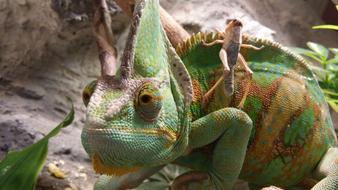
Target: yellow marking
(197, 91)
(99, 167)
(171, 135)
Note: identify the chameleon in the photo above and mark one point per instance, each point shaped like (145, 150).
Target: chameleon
(148, 113)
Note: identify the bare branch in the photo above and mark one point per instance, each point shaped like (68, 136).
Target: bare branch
(104, 38)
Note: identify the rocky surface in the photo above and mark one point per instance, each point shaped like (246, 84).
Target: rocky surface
(47, 53)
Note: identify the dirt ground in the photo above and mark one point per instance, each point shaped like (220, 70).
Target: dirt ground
(47, 53)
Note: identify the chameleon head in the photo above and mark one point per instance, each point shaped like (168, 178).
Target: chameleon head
(130, 124)
(136, 114)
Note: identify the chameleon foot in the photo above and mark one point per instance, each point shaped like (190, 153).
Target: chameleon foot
(327, 171)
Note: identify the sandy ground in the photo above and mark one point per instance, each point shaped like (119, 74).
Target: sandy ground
(47, 53)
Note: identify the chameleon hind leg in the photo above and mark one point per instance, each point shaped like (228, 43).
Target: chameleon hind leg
(230, 129)
(327, 171)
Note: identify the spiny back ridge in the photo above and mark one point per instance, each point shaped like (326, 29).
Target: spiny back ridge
(185, 47)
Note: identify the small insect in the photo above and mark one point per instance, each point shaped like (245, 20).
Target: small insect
(229, 53)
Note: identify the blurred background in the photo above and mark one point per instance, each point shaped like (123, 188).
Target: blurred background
(47, 52)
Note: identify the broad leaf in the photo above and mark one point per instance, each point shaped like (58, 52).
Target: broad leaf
(319, 49)
(19, 169)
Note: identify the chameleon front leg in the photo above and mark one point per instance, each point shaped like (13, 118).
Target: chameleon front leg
(327, 171)
(127, 181)
(230, 128)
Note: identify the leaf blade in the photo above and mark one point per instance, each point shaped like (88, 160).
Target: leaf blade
(20, 169)
(319, 49)
(326, 26)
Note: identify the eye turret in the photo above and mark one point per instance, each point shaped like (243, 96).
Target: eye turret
(148, 101)
(88, 91)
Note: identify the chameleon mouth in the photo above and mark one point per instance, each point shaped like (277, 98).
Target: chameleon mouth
(121, 150)
(170, 135)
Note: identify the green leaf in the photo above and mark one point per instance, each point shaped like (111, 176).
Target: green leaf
(334, 105)
(330, 92)
(319, 49)
(334, 51)
(333, 67)
(333, 61)
(327, 26)
(19, 169)
(319, 72)
(306, 52)
(301, 51)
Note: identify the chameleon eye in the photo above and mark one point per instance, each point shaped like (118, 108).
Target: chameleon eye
(148, 102)
(145, 98)
(87, 92)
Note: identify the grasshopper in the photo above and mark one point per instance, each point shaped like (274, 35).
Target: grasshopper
(229, 53)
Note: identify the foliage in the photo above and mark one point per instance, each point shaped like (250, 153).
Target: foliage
(19, 169)
(328, 74)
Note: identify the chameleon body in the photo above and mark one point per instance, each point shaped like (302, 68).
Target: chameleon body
(292, 125)
(150, 114)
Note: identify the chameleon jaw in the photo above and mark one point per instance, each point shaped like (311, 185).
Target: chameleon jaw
(109, 149)
(99, 167)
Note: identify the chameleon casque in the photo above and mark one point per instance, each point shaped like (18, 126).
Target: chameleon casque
(148, 113)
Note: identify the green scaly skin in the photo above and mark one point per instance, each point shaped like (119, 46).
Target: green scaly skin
(138, 123)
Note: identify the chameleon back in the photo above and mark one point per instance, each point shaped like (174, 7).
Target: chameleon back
(292, 124)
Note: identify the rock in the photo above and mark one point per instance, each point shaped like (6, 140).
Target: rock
(30, 92)
(14, 136)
